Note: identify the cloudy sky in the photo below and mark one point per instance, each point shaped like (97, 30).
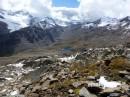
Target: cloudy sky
(70, 9)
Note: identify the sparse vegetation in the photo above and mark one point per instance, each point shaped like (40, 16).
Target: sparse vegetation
(117, 64)
(64, 84)
(76, 91)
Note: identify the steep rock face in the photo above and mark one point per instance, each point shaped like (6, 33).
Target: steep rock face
(3, 28)
(4, 36)
(27, 38)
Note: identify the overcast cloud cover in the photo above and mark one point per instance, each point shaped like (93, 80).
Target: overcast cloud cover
(88, 9)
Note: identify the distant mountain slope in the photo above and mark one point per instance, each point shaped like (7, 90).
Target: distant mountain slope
(39, 34)
(50, 32)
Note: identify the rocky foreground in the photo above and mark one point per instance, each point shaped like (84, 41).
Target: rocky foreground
(99, 72)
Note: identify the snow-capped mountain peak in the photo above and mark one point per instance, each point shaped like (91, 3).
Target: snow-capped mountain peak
(15, 21)
(108, 21)
(44, 23)
(102, 22)
(21, 19)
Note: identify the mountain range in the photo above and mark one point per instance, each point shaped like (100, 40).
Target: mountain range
(20, 31)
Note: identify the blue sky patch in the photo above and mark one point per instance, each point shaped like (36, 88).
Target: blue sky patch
(66, 3)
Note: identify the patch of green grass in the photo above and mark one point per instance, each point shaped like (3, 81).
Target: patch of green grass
(76, 91)
(86, 70)
(64, 84)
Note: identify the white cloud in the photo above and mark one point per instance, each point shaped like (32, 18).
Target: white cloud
(88, 9)
(35, 7)
(15, 5)
(91, 9)
(65, 14)
(41, 7)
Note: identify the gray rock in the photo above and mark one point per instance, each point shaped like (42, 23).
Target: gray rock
(22, 90)
(70, 91)
(92, 84)
(94, 87)
(36, 88)
(85, 93)
(114, 95)
(127, 77)
(91, 78)
(128, 55)
(45, 85)
(124, 96)
(79, 83)
(32, 95)
(124, 72)
(14, 96)
(76, 84)
(2, 79)
(128, 92)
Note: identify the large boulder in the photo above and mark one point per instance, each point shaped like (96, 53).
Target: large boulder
(85, 93)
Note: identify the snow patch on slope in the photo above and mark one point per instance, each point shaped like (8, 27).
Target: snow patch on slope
(20, 65)
(108, 84)
(68, 59)
(108, 21)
